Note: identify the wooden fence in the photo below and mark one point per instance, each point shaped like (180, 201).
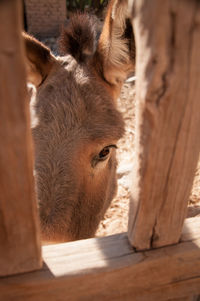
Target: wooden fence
(159, 259)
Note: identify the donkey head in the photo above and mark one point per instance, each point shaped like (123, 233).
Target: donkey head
(75, 123)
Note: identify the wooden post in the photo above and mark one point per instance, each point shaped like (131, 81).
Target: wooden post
(19, 238)
(167, 35)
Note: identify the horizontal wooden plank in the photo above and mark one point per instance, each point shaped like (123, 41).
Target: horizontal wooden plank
(109, 269)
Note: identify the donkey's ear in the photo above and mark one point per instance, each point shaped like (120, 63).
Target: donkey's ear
(39, 60)
(116, 46)
(79, 37)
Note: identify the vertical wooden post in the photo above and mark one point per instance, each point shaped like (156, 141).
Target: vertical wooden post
(19, 235)
(167, 37)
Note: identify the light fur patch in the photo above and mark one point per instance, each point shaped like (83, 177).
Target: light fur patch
(32, 94)
(130, 7)
(119, 48)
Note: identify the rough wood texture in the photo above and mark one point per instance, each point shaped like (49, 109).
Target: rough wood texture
(190, 298)
(168, 119)
(19, 238)
(108, 269)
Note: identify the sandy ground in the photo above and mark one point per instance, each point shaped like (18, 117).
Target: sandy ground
(116, 217)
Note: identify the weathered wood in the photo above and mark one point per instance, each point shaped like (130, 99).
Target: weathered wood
(190, 298)
(19, 236)
(168, 120)
(108, 269)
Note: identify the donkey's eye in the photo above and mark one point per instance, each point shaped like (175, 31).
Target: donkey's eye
(103, 155)
(105, 152)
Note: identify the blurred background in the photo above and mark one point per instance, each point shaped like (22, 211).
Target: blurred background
(44, 18)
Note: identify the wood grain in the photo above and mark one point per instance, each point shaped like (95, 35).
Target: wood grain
(19, 235)
(109, 269)
(168, 119)
(189, 298)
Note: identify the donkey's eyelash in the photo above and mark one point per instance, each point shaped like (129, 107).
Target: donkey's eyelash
(112, 146)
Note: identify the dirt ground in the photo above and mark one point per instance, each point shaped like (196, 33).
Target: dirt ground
(116, 217)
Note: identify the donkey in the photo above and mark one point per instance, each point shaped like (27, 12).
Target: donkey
(75, 123)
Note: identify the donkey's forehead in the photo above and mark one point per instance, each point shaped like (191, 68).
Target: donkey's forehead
(67, 61)
(72, 98)
(79, 72)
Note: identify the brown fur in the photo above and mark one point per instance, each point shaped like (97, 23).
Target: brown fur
(39, 58)
(79, 38)
(116, 47)
(74, 123)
